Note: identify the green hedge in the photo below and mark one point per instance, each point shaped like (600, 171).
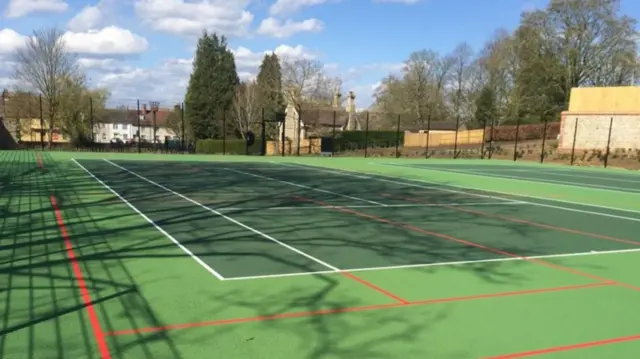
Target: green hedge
(233, 147)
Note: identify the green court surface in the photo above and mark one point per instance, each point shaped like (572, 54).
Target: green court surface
(180, 256)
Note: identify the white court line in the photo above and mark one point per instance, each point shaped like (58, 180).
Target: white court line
(573, 174)
(525, 179)
(409, 182)
(264, 235)
(438, 264)
(403, 205)
(175, 241)
(305, 187)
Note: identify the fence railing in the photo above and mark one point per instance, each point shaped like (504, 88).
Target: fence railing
(574, 140)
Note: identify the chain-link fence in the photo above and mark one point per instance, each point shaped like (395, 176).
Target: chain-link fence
(145, 126)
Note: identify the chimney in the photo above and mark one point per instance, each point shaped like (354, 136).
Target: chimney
(351, 102)
(336, 98)
(144, 108)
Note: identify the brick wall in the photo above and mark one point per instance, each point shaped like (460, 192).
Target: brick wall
(593, 130)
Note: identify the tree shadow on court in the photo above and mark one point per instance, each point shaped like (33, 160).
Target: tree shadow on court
(114, 247)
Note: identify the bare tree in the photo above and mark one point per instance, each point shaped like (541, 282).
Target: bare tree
(462, 57)
(246, 107)
(306, 87)
(45, 65)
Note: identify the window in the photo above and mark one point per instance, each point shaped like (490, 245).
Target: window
(125, 136)
(115, 126)
(124, 126)
(104, 136)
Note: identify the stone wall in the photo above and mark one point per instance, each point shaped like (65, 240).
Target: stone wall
(592, 130)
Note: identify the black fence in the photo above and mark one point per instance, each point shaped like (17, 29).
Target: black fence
(576, 141)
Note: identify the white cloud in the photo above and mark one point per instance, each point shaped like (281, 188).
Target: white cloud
(278, 29)
(190, 18)
(107, 41)
(19, 8)
(283, 7)
(10, 40)
(87, 19)
(248, 61)
(167, 83)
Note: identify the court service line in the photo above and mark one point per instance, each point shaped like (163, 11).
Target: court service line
(305, 187)
(410, 183)
(344, 310)
(150, 221)
(234, 221)
(440, 264)
(264, 235)
(393, 205)
(469, 243)
(527, 222)
(524, 179)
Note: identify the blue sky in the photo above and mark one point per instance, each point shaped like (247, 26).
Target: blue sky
(143, 48)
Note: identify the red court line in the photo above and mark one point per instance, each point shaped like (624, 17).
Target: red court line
(458, 240)
(376, 288)
(39, 160)
(86, 297)
(523, 221)
(535, 224)
(565, 348)
(315, 313)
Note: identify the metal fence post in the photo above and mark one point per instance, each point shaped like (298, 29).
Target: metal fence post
(183, 134)
(263, 135)
(484, 138)
(398, 137)
(492, 135)
(544, 140)
(92, 137)
(366, 135)
(299, 132)
(41, 124)
(573, 146)
(515, 144)
(426, 150)
(224, 132)
(333, 135)
(282, 135)
(139, 129)
(606, 154)
(455, 140)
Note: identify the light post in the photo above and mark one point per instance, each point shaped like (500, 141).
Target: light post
(155, 105)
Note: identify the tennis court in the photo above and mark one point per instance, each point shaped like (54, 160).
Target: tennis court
(116, 256)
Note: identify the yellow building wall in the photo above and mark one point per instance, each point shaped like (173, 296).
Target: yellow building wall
(623, 99)
(30, 131)
(443, 138)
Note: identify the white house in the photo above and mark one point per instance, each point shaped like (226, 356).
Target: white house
(123, 124)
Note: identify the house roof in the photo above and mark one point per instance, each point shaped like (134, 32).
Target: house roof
(129, 116)
(324, 117)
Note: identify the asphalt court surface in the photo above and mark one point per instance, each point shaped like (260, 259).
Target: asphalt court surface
(618, 181)
(363, 235)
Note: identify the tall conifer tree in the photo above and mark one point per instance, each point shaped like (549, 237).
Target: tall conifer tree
(211, 86)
